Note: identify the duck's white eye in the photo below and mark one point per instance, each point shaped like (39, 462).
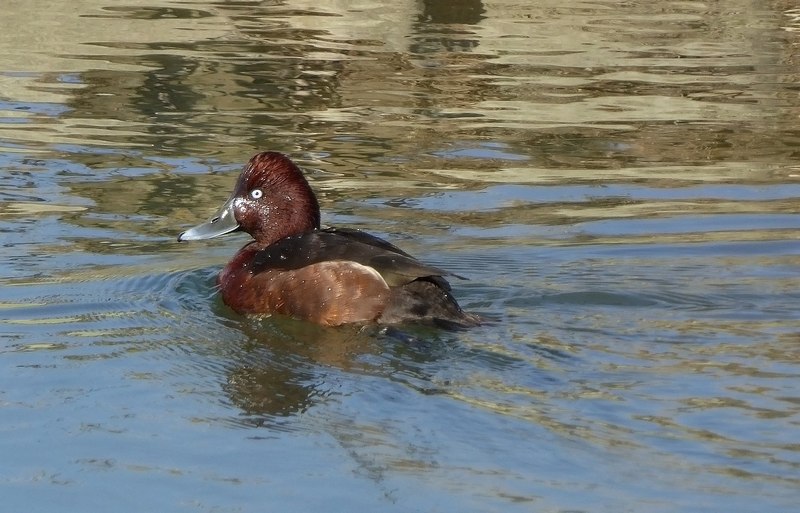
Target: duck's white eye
(256, 193)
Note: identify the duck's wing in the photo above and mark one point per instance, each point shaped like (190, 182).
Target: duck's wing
(366, 238)
(335, 244)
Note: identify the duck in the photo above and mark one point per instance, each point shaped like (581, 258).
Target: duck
(330, 276)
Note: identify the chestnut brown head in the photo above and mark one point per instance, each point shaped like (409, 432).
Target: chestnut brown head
(271, 200)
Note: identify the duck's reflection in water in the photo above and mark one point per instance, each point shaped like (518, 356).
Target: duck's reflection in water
(287, 366)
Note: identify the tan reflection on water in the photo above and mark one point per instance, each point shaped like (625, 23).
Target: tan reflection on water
(623, 79)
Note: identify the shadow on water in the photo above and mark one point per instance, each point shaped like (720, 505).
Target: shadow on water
(284, 366)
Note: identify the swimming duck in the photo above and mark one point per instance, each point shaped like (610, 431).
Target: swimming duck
(330, 276)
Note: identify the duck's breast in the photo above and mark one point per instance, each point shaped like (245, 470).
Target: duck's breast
(329, 292)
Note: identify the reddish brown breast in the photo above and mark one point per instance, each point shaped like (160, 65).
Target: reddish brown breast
(330, 292)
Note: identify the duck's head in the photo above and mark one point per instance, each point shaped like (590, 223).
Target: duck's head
(271, 200)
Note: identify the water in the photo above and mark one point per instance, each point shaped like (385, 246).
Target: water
(618, 181)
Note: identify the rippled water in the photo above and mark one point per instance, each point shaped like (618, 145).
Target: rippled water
(619, 181)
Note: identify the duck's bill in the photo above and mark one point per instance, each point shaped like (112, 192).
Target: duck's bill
(223, 222)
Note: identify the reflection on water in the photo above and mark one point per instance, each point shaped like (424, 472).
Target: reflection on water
(618, 180)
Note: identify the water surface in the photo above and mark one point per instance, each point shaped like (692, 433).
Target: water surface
(618, 181)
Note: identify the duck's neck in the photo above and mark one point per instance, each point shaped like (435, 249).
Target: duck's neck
(293, 218)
